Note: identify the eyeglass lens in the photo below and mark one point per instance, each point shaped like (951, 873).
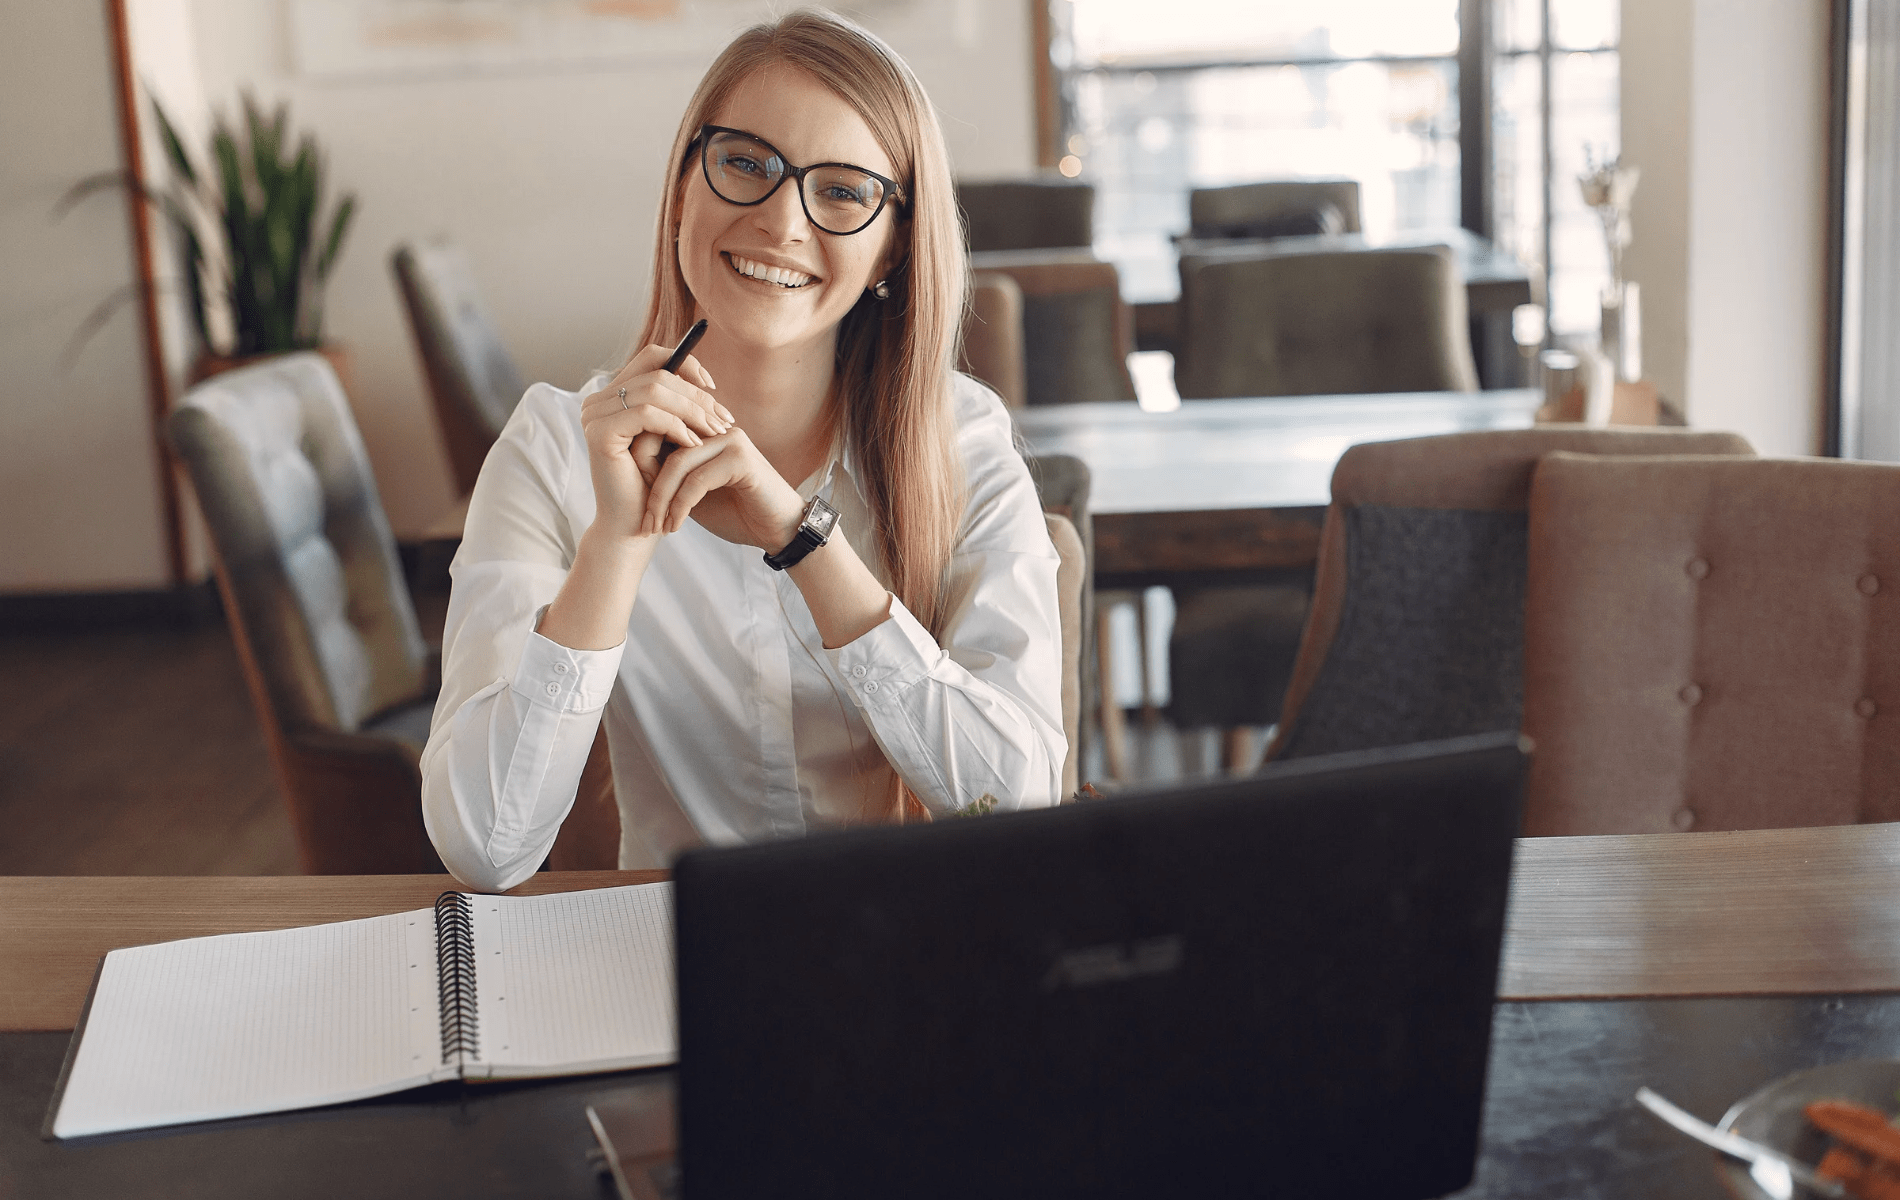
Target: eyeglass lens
(838, 199)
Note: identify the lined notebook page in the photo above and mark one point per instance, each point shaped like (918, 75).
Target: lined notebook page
(586, 980)
(245, 1023)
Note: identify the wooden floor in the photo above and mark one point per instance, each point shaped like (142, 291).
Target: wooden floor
(137, 752)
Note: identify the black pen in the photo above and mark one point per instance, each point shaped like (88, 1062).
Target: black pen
(685, 347)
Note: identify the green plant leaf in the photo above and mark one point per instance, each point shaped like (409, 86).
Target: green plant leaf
(174, 146)
(339, 225)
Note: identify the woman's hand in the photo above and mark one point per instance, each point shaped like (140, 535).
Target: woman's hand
(726, 485)
(627, 430)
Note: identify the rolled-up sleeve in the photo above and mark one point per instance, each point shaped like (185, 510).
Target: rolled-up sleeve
(517, 713)
(976, 713)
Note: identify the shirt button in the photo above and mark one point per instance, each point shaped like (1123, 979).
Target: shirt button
(1866, 707)
(871, 686)
(1869, 584)
(858, 672)
(1698, 568)
(1691, 694)
(1684, 818)
(560, 668)
(554, 689)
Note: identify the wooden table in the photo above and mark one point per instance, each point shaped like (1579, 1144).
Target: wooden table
(1702, 963)
(1220, 490)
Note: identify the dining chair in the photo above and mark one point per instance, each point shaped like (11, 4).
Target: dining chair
(1264, 322)
(1275, 208)
(1417, 625)
(1268, 324)
(1062, 486)
(472, 378)
(1077, 330)
(992, 348)
(1711, 644)
(325, 629)
(1027, 214)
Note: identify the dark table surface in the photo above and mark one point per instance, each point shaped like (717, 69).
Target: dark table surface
(1559, 1119)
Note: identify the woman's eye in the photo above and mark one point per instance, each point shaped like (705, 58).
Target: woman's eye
(842, 194)
(742, 164)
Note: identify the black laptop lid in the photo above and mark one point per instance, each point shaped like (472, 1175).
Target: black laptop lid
(1277, 985)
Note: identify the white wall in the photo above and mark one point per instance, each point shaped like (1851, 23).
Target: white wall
(1725, 110)
(550, 180)
(79, 485)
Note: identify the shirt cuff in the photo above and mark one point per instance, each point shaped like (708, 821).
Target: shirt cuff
(885, 662)
(569, 681)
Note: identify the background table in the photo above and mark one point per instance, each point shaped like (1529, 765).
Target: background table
(1217, 490)
(1703, 964)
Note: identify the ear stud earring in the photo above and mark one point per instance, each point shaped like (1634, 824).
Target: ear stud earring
(882, 289)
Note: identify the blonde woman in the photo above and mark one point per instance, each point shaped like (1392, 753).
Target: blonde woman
(802, 582)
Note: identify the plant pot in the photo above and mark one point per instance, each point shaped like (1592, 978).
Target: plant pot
(209, 365)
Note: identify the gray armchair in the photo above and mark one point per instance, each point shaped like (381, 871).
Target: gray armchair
(1276, 208)
(323, 621)
(1027, 214)
(471, 377)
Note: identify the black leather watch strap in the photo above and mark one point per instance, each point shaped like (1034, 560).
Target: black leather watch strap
(814, 530)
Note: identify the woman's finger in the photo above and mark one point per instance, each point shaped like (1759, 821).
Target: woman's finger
(692, 394)
(658, 391)
(693, 370)
(647, 456)
(666, 484)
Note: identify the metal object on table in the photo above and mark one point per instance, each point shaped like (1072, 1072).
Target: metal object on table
(1735, 1146)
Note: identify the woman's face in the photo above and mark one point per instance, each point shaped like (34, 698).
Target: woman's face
(724, 248)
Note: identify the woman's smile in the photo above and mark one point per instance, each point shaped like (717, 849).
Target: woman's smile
(781, 277)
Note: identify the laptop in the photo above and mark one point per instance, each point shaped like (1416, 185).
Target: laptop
(1274, 985)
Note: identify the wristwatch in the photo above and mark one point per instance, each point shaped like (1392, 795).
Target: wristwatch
(814, 530)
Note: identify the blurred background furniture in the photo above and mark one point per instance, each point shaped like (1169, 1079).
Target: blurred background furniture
(1027, 214)
(1417, 628)
(1077, 330)
(993, 335)
(325, 628)
(1275, 208)
(1712, 643)
(472, 379)
(1062, 485)
(1323, 323)
(1366, 321)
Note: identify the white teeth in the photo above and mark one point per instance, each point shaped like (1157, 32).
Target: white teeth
(769, 274)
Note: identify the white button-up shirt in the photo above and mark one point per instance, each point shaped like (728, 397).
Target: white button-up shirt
(726, 718)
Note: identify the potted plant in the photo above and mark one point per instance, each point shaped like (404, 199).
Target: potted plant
(252, 250)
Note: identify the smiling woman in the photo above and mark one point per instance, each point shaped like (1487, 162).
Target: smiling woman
(893, 651)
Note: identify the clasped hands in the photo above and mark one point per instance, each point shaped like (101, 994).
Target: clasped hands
(714, 474)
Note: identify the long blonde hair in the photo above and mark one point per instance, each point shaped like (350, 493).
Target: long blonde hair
(894, 356)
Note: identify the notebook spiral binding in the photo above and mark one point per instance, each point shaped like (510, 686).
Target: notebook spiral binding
(455, 976)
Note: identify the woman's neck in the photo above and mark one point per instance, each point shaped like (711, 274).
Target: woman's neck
(781, 398)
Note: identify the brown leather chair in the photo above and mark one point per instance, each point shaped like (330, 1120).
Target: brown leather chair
(1256, 321)
(471, 377)
(1062, 484)
(1027, 214)
(993, 335)
(1417, 624)
(1077, 329)
(1712, 643)
(1275, 208)
(315, 596)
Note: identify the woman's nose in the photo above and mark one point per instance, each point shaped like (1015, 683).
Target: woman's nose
(782, 216)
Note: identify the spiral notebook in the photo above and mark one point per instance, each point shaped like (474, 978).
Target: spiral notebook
(480, 987)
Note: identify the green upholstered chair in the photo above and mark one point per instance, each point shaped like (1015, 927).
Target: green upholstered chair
(472, 379)
(324, 624)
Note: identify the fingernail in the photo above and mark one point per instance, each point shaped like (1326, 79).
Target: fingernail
(727, 414)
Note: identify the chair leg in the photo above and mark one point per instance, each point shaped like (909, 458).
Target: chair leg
(1114, 724)
(1237, 750)
(1150, 715)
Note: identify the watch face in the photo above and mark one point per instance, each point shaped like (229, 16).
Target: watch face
(821, 518)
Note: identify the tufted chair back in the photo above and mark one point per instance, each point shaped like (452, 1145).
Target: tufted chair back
(1417, 625)
(993, 335)
(1264, 322)
(1712, 643)
(471, 376)
(286, 487)
(1039, 212)
(1273, 208)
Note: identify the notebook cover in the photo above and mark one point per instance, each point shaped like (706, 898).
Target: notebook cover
(72, 1052)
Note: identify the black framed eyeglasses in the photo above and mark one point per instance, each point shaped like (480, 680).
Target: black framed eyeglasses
(745, 169)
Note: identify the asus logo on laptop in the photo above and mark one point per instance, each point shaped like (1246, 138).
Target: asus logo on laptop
(1114, 962)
